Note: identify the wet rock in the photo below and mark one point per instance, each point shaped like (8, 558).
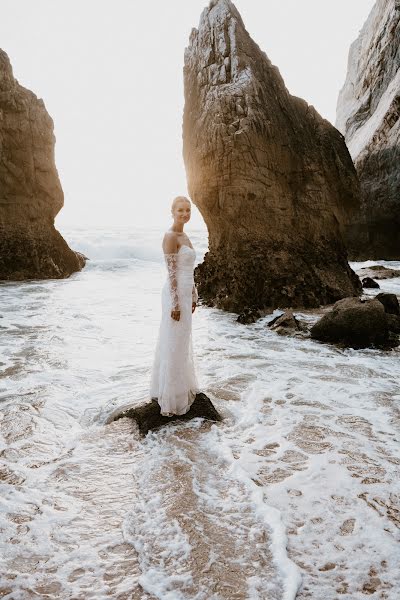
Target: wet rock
(82, 258)
(368, 282)
(287, 324)
(273, 180)
(31, 194)
(368, 112)
(392, 309)
(393, 322)
(248, 315)
(378, 272)
(355, 323)
(148, 416)
(390, 303)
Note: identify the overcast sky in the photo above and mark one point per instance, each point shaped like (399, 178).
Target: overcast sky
(110, 74)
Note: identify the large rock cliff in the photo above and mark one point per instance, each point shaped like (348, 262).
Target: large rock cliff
(272, 179)
(368, 114)
(30, 190)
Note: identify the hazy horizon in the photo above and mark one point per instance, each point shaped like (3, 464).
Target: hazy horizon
(111, 79)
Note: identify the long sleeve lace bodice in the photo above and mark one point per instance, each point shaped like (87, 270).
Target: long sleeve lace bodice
(171, 260)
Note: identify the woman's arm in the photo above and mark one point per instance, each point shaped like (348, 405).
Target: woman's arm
(170, 248)
(195, 295)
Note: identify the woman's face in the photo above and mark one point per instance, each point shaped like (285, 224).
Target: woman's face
(181, 211)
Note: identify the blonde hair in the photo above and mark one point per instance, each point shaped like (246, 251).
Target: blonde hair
(177, 199)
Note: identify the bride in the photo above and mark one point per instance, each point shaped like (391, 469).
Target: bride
(174, 382)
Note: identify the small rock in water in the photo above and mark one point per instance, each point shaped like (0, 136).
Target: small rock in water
(356, 323)
(390, 303)
(287, 323)
(148, 416)
(368, 282)
(248, 315)
(378, 272)
(392, 310)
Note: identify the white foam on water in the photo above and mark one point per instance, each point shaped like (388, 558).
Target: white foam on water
(298, 486)
(210, 498)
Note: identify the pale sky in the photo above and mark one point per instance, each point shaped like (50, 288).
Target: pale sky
(110, 75)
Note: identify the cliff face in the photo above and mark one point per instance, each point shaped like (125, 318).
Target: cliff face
(368, 114)
(30, 190)
(272, 179)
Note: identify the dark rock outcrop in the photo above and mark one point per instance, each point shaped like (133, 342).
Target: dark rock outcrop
(378, 272)
(273, 180)
(148, 416)
(357, 323)
(393, 324)
(368, 114)
(30, 190)
(368, 282)
(391, 305)
(390, 302)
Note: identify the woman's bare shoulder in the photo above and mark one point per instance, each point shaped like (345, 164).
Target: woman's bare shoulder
(170, 241)
(170, 234)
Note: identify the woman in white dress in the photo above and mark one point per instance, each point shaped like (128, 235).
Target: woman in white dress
(174, 382)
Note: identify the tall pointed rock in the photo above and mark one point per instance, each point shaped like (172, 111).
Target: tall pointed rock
(272, 179)
(30, 190)
(368, 114)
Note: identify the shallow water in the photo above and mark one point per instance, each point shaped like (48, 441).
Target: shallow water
(296, 490)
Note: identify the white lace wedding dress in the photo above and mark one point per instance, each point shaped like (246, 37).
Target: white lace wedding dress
(173, 379)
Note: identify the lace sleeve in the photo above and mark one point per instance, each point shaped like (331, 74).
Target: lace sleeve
(195, 295)
(171, 262)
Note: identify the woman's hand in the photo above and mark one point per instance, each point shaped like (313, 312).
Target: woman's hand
(176, 314)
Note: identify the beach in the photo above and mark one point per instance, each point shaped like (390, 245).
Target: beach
(295, 494)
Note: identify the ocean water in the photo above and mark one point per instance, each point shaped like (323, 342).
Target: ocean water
(295, 494)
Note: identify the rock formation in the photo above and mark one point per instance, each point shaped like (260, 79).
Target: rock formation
(361, 323)
(30, 190)
(368, 114)
(273, 180)
(368, 282)
(149, 417)
(378, 272)
(288, 324)
(390, 303)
